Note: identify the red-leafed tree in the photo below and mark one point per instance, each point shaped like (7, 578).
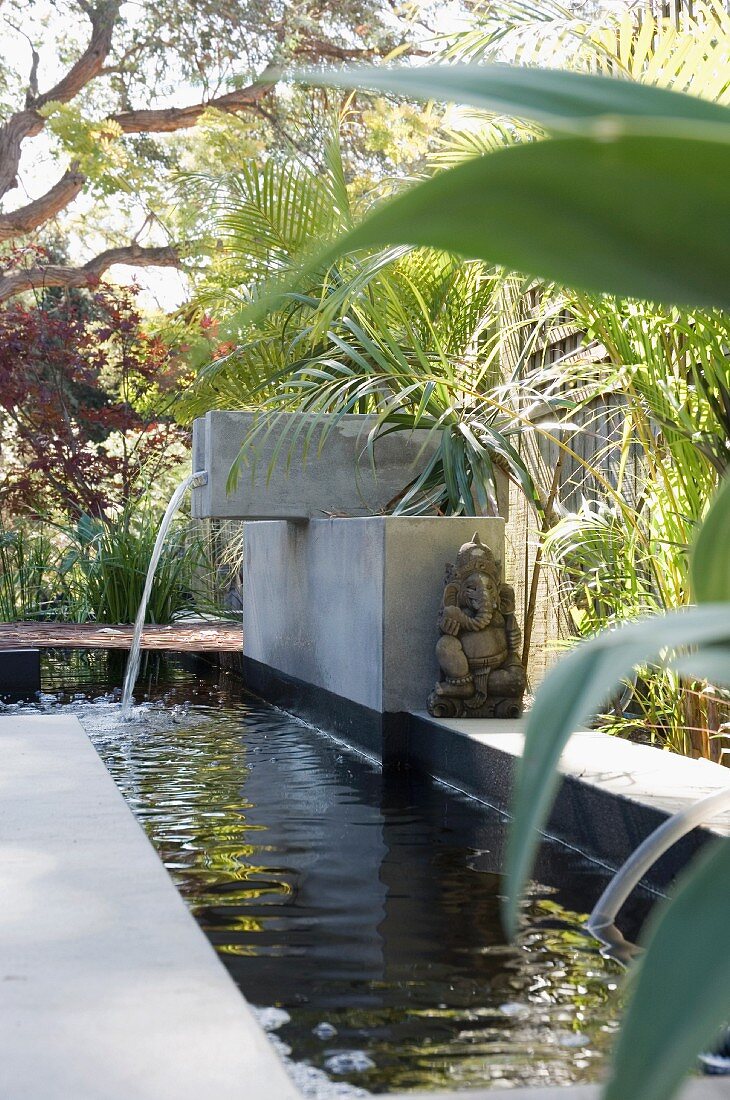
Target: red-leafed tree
(78, 378)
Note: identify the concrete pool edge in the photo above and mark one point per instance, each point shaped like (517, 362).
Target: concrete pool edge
(614, 793)
(105, 972)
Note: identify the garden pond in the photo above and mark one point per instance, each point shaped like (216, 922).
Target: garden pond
(356, 908)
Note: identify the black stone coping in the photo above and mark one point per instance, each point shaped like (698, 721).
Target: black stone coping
(365, 729)
(603, 825)
(20, 674)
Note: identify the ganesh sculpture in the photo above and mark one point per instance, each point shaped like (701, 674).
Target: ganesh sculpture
(482, 675)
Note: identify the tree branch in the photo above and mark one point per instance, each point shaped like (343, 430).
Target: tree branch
(55, 275)
(168, 119)
(313, 47)
(35, 60)
(28, 123)
(103, 18)
(29, 217)
(18, 127)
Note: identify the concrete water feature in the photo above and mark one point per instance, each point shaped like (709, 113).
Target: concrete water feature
(339, 625)
(339, 602)
(104, 969)
(335, 616)
(123, 973)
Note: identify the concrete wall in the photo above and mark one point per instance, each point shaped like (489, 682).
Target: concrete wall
(288, 477)
(313, 600)
(351, 605)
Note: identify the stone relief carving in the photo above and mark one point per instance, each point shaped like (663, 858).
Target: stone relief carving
(479, 648)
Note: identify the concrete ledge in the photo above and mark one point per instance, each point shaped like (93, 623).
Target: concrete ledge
(705, 1089)
(292, 472)
(109, 988)
(614, 792)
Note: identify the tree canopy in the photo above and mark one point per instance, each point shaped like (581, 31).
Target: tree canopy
(91, 91)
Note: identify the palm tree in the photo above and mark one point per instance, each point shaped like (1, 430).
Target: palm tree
(410, 335)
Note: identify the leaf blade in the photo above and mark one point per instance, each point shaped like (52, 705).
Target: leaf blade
(566, 101)
(570, 695)
(710, 565)
(682, 993)
(584, 213)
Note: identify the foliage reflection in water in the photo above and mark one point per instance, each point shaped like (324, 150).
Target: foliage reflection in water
(364, 905)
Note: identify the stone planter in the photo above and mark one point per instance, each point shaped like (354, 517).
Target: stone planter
(335, 477)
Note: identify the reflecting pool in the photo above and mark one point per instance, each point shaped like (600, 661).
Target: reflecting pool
(358, 909)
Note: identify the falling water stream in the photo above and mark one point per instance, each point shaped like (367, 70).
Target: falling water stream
(131, 672)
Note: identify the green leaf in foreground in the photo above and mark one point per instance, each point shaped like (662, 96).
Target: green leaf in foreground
(710, 662)
(570, 695)
(638, 217)
(682, 994)
(559, 100)
(711, 552)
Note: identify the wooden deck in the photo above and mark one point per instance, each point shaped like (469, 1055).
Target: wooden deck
(193, 637)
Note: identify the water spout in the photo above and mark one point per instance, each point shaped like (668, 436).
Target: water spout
(602, 921)
(193, 481)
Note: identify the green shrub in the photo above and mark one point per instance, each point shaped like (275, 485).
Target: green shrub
(29, 571)
(107, 564)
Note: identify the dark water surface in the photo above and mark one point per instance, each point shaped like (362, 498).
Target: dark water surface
(364, 905)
